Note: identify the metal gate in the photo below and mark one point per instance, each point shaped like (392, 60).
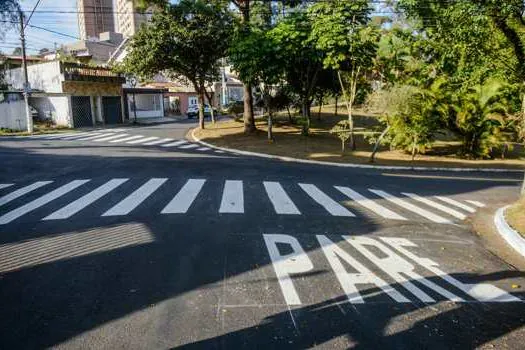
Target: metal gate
(81, 106)
(112, 109)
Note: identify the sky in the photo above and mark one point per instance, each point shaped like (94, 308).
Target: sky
(38, 39)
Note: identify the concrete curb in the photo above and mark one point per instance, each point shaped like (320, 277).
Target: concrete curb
(351, 165)
(513, 238)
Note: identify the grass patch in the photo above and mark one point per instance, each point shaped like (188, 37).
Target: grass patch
(515, 216)
(39, 128)
(323, 146)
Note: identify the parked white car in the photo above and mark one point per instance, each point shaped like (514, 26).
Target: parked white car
(193, 111)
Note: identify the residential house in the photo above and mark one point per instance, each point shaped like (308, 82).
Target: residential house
(72, 94)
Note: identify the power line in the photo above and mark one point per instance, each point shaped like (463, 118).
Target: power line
(32, 12)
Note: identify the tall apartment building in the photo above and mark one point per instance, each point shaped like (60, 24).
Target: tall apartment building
(128, 19)
(95, 17)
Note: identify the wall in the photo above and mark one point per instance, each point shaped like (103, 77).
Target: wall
(13, 115)
(79, 88)
(56, 108)
(43, 77)
(148, 105)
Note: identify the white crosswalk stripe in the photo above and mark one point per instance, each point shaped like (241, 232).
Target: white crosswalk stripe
(59, 136)
(76, 206)
(190, 146)
(232, 197)
(184, 199)
(77, 136)
(436, 205)
(129, 138)
(411, 207)
(136, 198)
(232, 200)
(142, 140)
(158, 142)
(370, 204)
(202, 149)
(280, 200)
(174, 144)
(22, 191)
(328, 203)
(113, 137)
(97, 136)
(39, 202)
(456, 203)
(476, 203)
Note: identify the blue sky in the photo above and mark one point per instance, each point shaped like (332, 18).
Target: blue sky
(36, 38)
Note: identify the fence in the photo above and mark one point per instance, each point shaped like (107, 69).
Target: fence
(13, 115)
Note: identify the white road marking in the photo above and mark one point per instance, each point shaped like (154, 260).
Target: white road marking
(280, 200)
(191, 145)
(134, 142)
(202, 149)
(76, 206)
(370, 204)
(232, 197)
(37, 203)
(436, 205)
(476, 203)
(284, 265)
(482, 292)
(219, 151)
(129, 138)
(349, 281)
(136, 198)
(328, 203)
(457, 204)
(5, 185)
(184, 199)
(111, 137)
(100, 135)
(174, 144)
(22, 191)
(60, 135)
(409, 206)
(158, 142)
(78, 135)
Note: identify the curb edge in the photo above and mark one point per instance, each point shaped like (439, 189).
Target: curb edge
(513, 238)
(351, 165)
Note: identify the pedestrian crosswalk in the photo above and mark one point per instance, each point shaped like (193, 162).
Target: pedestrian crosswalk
(54, 201)
(122, 137)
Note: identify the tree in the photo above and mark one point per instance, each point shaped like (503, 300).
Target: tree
(17, 51)
(300, 58)
(255, 57)
(340, 29)
(187, 39)
(8, 15)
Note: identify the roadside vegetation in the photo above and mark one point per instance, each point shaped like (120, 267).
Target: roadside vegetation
(515, 218)
(441, 79)
(39, 128)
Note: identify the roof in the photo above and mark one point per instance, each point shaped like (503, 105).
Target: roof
(172, 86)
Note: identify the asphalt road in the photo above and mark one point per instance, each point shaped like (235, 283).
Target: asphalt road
(108, 242)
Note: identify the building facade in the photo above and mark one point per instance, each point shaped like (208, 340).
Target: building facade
(95, 17)
(128, 18)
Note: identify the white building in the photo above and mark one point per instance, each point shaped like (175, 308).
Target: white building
(128, 18)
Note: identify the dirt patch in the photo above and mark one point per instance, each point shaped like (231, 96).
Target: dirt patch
(322, 146)
(515, 216)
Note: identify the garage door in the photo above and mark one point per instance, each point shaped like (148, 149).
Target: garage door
(81, 106)
(111, 109)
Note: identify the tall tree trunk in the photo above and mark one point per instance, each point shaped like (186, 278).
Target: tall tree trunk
(378, 142)
(269, 111)
(201, 109)
(414, 144)
(320, 108)
(290, 119)
(336, 106)
(248, 117)
(306, 115)
(249, 120)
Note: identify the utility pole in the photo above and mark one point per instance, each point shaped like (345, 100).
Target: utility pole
(27, 87)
